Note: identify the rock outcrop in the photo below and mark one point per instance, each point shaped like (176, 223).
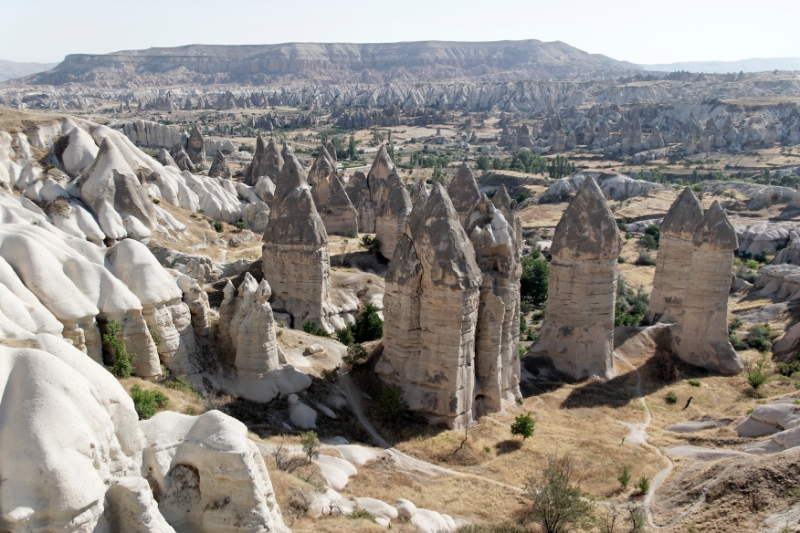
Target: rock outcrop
(578, 328)
(330, 197)
(195, 147)
(674, 263)
(181, 158)
(497, 369)
(219, 167)
(267, 161)
(700, 336)
(431, 311)
(295, 254)
(464, 192)
(392, 216)
(359, 193)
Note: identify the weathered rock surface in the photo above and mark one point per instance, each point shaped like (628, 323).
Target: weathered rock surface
(614, 187)
(578, 328)
(392, 216)
(330, 197)
(267, 161)
(209, 475)
(700, 336)
(295, 254)
(427, 351)
(464, 192)
(674, 262)
(219, 167)
(195, 147)
(359, 193)
(497, 369)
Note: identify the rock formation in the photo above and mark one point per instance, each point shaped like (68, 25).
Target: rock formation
(497, 370)
(420, 192)
(267, 161)
(295, 254)
(431, 311)
(219, 167)
(392, 216)
(253, 330)
(330, 197)
(359, 193)
(165, 158)
(578, 328)
(463, 191)
(674, 262)
(195, 147)
(700, 336)
(181, 158)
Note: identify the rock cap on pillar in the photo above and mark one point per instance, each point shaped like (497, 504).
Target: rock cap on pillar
(683, 217)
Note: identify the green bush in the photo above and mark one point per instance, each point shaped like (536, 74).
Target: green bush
(645, 259)
(311, 445)
(751, 263)
(694, 383)
(217, 226)
(122, 360)
(621, 260)
(180, 383)
(760, 337)
(649, 242)
(734, 324)
(368, 326)
(147, 402)
(371, 244)
(310, 327)
(697, 187)
(643, 484)
(671, 397)
(758, 374)
(631, 306)
(624, 477)
(737, 342)
(352, 234)
(392, 407)
(534, 280)
(789, 369)
(748, 275)
(240, 225)
(345, 336)
(523, 426)
(654, 231)
(356, 354)
(557, 503)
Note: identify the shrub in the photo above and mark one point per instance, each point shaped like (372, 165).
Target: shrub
(535, 279)
(631, 306)
(737, 342)
(671, 397)
(788, 369)
(356, 354)
(654, 231)
(371, 244)
(734, 324)
(643, 484)
(217, 226)
(368, 326)
(345, 336)
(697, 187)
(147, 402)
(122, 360)
(752, 263)
(557, 502)
(760, 337)
(523, 426)
(240, 225)
(758, 374)
(694, 383)
(392, 407)
(180, 383)
(621, 260)
(310, 327)
(311, 445)
(352, 234)
(624, 477)
(645, 259)
(649, 242)
(748, 275)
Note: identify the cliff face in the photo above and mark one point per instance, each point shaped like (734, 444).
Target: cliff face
(336, 62)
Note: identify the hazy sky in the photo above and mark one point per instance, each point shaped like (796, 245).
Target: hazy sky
(641, 31)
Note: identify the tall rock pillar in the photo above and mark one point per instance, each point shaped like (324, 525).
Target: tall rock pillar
(700, 336)
(674, 263)
(578, 328)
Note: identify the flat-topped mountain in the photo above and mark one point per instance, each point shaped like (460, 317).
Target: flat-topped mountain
(333, 62)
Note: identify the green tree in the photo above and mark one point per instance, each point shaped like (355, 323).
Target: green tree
(311, 445)
(392, 407)
(695, 176)
(437, 177)
(352, 150)
(534, 280)
(624, 477)
(122, 360)
(147, 402)
(523, 426)
(558, 505)
(483, 163)
(368, 326)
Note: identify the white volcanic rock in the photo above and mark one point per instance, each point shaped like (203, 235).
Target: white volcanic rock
(301, 415)
(464, 192)
(578, 328)
(80, 152)
(614, 187)
(700, 336)
(674, 263)
(781, 281)
(163, 308)
(330, 198)
(113, 192)
(209, 475)
(70, 451)
(255, 340)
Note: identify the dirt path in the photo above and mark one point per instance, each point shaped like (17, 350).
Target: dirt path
(404, 460)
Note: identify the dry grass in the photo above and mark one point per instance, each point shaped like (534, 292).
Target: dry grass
(180, 401)
(14, 120)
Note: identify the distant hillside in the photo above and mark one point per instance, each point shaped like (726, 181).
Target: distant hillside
(11, 69)
(723, 67)
(334, 63)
